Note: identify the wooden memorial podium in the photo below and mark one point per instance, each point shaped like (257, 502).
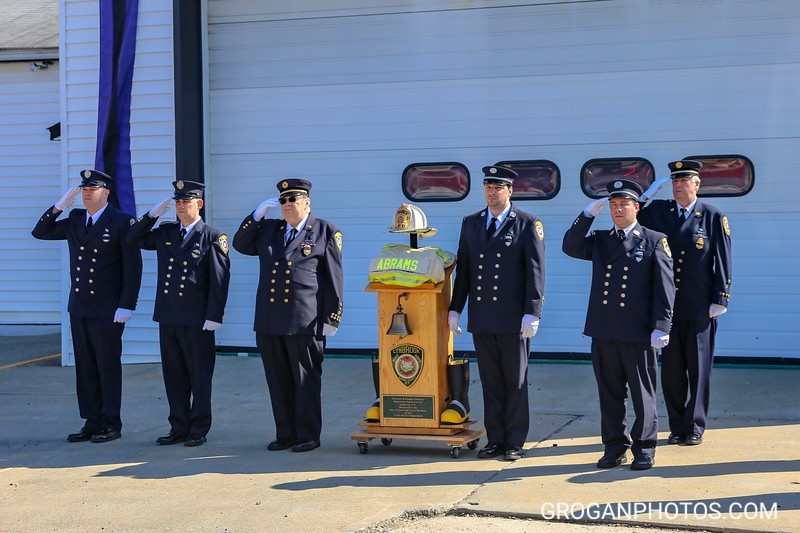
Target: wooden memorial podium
(413, 369)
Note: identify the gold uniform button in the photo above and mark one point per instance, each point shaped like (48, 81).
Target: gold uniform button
(80, 258)
(480, 267)
(77, 290)
(277, 263)
(171, 259)
(183, 278)
(91, 270)
(82, 248)
(609, 267)
(169, 276)
(683, 252)
(677, 269)
(680, 260)
(605, 302)
(286, 291)
(497, 265)
(91, 281)
(624, 286)
(608, 274)
(480, 256)
(677, 280)
(625, 269)
(622, 304)
(91, 292)
(78, 269)
(288, 281)
(605, 293)
(479, 277)
(272, 289)
(496, 276)
(94, 260)
(622, 295)
(606, 284)
(499, 255)
(495, 287)
(478, 298)
(272, 300)
(288, 263)
(274, 271)
(494, 298)
(166, 291)
(288, 271)
(478, 287)
(77, 279)
(286, 300)
(624, 277)
(180, 294)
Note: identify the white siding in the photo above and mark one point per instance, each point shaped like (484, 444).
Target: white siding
(30, 272)
(152, 133)
(348, 95)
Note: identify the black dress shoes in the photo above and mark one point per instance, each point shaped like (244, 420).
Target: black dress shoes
(170, 438)
(305, 446)
(82, 436)
(674, 438)
(491, 450)
(611, 460)
(642, 462)
(279, 444)
(106, 435)
(694, 439)
(195, 440)
(513, 453)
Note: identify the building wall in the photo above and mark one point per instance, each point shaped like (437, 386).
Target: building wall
(152, 134)
(30, 271)
(347, 94)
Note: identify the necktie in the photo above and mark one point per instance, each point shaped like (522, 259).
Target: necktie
(621, 234)
(183, 233)
(89, 224)
(492, 228)
(292, 235)
(682, 214)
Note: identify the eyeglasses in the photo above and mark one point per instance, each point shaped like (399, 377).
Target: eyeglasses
(283, 199)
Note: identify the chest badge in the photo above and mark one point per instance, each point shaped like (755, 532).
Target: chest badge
(639, 254)
(699, 243)
(306, 245)
(508, 238)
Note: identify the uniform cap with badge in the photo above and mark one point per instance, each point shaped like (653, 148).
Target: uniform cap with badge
(185, 189)
(95, 178)
(624, 189)
(498, 176)
(685, 168)
(290, 186)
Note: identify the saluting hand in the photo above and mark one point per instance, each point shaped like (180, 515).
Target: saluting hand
(263, 207)
(68, 199)
(653, 189)
(594, 208)
(160, 208)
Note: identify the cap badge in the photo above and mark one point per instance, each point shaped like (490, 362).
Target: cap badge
(678, 165)
(179, 184)
(492, 170)
(617, 184)
(285, 185)
(87, 173)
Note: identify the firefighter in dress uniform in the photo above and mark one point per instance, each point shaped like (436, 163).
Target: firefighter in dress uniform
(105, 276)
(700, 238)
(500, 270)
(298, 305)
(192, 289)
(628, 319)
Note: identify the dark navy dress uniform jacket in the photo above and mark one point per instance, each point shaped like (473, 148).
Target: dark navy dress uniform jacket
(105, 272)
(502, 276)
(301, 285)
(632, 290)
(701, 248)
(193, 273)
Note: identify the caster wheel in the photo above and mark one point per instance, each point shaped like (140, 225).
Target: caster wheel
(363, 448)
(455, 452)
(473, 444)
(386, 442)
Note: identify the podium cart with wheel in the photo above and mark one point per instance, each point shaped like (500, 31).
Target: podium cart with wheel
(415, 346)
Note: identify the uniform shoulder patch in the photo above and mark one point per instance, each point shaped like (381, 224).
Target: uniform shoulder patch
(337, 237)
(539, 227)
(222, 242)
(665, 245)
(726, 226)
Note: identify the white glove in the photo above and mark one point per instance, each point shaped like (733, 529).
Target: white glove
(263, 207)
(594, 208)
(653, 189)
(659, 339)
(160, 208)
(452, 322)
(328, 330)
(210, 325)
(68, 199)
(529, 327)
(715, 310)
(122, 315)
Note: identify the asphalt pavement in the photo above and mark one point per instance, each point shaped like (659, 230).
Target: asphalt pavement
(744, 477)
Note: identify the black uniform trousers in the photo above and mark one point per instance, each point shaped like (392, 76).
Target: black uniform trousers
(98, 371)
(503, 367)
(617, 367)
(293, 367)
(686, 374)
(187, 361)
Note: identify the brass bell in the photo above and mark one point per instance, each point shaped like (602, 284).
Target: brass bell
(399, 320)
